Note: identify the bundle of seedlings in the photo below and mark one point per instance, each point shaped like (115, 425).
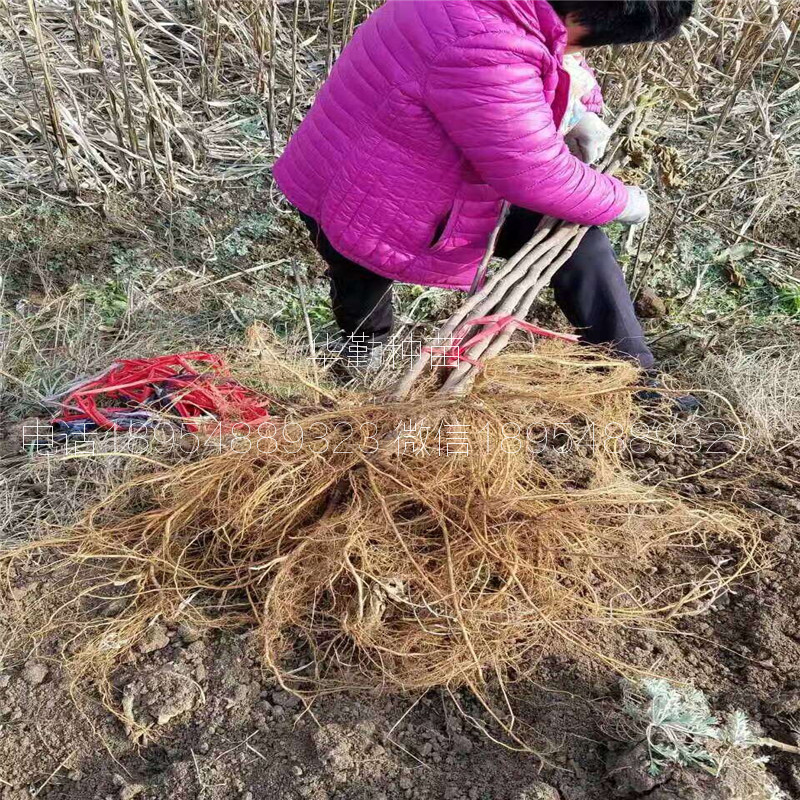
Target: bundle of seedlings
(437, 542)
(502, 304)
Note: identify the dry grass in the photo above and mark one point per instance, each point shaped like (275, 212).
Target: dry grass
(173, 94)
(764, 386)
(44, 349)
(721, 148)
(391, 560)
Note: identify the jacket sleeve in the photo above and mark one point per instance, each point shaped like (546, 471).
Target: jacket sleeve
(488, 95)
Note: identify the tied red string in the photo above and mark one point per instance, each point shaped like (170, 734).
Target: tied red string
(456, 351)
(171, 383)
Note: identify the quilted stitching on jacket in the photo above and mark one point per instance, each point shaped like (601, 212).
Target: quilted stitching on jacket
(436, 112)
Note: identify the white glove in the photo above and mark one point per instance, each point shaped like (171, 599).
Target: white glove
(589, 138)
(637, 209)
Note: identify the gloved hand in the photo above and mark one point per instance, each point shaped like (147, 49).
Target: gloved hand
(637, 209)
(589, 138)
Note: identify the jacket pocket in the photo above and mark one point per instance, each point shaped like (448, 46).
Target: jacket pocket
(447, 227)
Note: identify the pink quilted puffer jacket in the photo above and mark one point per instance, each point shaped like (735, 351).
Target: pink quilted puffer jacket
(435, 112)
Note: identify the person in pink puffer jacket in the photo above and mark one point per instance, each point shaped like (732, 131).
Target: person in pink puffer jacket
(437, 112)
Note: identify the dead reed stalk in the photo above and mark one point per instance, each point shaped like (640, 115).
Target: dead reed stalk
(142, 93)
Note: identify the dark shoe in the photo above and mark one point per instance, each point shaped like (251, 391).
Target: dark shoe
(358, 355)
(656, 393)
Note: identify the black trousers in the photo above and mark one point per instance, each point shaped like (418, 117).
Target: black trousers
(590, 289)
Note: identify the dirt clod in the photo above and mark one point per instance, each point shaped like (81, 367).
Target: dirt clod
(158, 697)
(188, 633)
(538, 791)
(34, 673)
(630, 775)
(649, 305)
(155, 639)
(285, 700)
(338, 748)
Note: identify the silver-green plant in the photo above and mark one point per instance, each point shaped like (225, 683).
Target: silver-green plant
(680, 728)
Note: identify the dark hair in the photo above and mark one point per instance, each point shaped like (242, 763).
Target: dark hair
(625, 21)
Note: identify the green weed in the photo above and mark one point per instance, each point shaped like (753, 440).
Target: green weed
(789, 299)
(253, 229)
(109, 299)
(680, 728)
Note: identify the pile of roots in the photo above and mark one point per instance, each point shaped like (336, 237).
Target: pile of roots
(427, 543)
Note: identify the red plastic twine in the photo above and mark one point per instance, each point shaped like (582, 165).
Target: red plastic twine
(174, 383)
(456, 352)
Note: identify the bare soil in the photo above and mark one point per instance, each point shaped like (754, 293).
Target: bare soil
(221, 728)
